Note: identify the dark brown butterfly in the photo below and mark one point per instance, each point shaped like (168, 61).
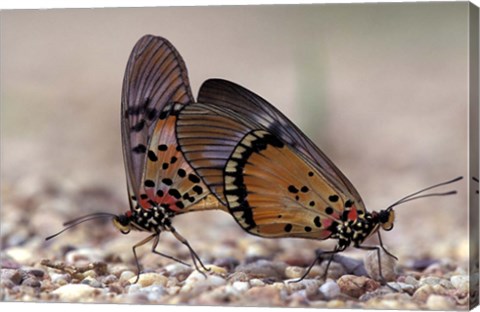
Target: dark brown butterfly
(274, 180)
(161, 184)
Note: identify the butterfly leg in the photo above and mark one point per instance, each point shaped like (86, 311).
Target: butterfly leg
(383, 247)
(193, 254)
(318, 258)
(156, 238)
(154, 246)
(141, 243)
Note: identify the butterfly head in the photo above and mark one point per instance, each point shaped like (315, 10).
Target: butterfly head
(385, 218)
(123, 222)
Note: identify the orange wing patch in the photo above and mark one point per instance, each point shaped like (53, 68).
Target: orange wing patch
(271, 190)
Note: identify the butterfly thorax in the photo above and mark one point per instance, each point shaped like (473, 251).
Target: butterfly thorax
(356, 231)
(155, 219)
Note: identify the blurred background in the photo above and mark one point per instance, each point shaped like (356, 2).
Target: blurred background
(381, 88)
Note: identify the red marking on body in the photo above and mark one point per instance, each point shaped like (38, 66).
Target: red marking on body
(128, 214)
(352, 215)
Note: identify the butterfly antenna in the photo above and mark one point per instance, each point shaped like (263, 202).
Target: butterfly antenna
(72, 223)
(414, 195)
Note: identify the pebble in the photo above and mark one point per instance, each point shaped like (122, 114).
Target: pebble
(90, 281)
(216, 269)
(330, 289)
(118, 269)
(109, 279)
(35, 272)
(196, 283)
(268, 295)
(147, 279)
(263, 269)
(460, 282)
(437, 302)
(178, 270)
(355, 286)
(84, 256)
(293, 285)
(20, 254)
(228, 263)
(403, 287)
(387, 265)
(256, 282)
(126, 275)
(436, 281)
(31, 282)
(61, 279)
(152, 292)
(76, 292)
(15, 276)
(422, 293)
(241, 287)
(294, 272)
(411, 281)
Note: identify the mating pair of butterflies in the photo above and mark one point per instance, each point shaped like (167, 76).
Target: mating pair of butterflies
(229, 150)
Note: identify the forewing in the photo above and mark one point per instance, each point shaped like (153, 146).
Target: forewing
(168, 180)
(155, 76)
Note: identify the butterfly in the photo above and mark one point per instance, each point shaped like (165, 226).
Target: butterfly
(274, 180)
(160, 183)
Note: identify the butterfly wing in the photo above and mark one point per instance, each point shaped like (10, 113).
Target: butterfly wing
(155, 75)
(155, 88)
(272, 191)
(273, 179)
(231, 111)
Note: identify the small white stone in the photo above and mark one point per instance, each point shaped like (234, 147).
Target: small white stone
(76, 292)
(437, 302)
(84, 254)
(256, 282)
(294, 272)
(20, 254)
(127, 275)
(196, 282)
(177, 268)
(241, 286)
(460, 282)
(330, 289)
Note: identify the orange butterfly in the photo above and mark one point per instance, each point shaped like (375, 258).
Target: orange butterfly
(274, 180)
(161, 184)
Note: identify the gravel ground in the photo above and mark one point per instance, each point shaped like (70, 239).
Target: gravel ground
(94, 263)
(381, 89)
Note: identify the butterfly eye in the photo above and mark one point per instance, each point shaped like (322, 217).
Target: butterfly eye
(122, 223)
(386, 219)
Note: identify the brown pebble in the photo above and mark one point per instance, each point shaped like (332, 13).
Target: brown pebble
(16, 276)
(36, 272)
(116, 288)
(268, 295)
(355, 286)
